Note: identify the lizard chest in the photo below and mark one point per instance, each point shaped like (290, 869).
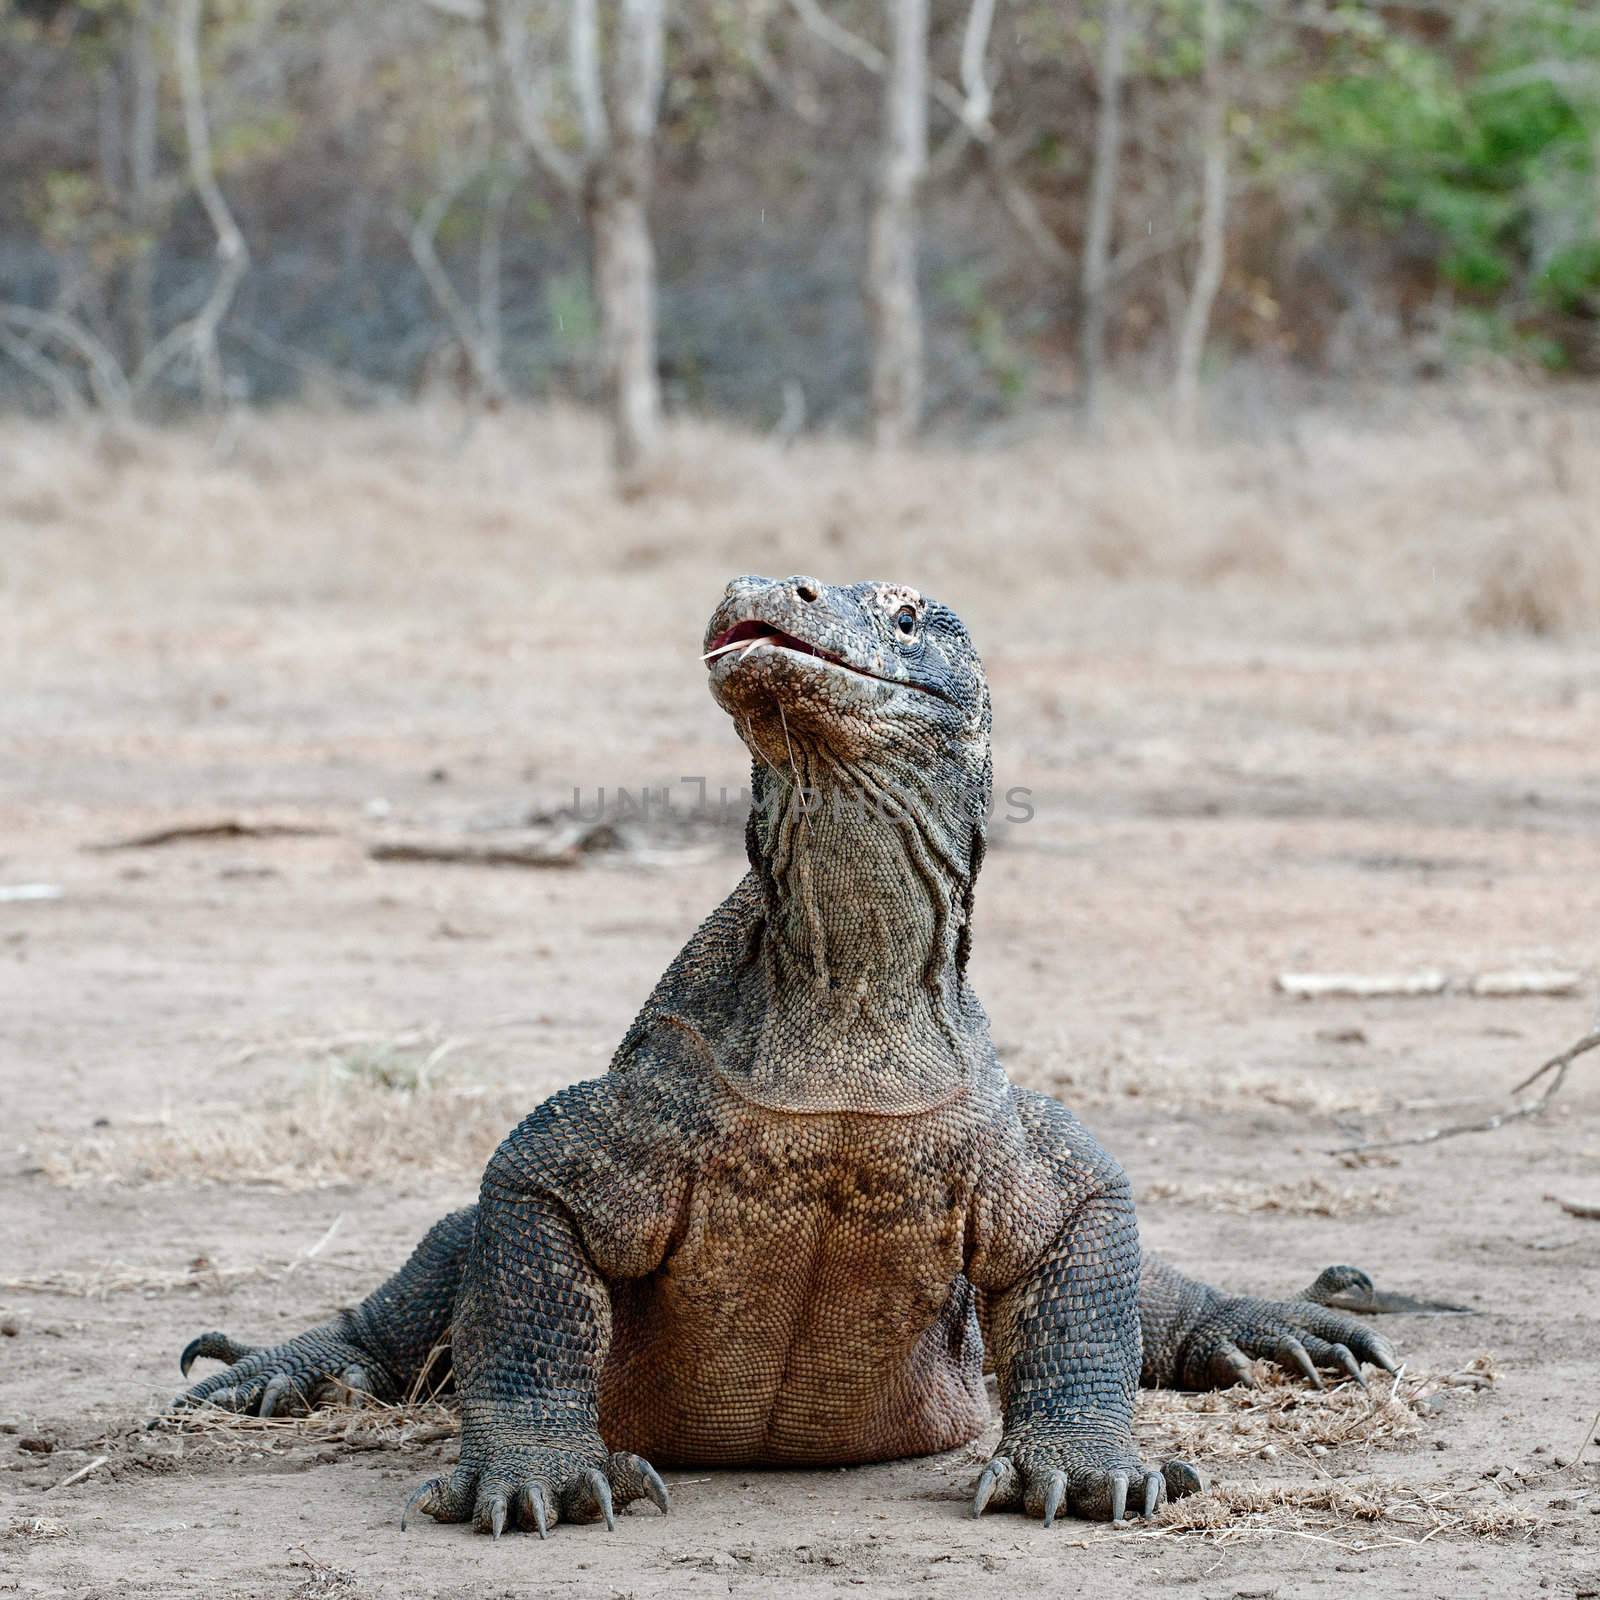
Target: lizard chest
(816, 1289)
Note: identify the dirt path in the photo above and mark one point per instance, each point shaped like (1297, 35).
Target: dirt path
(213, 1051)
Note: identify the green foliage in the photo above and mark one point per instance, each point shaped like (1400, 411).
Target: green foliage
(965, 289)
(1486, 141)
(570, 307)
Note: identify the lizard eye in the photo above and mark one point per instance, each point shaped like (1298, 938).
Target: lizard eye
(905, 619)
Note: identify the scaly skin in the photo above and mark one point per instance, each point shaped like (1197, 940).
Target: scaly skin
(805, 1204)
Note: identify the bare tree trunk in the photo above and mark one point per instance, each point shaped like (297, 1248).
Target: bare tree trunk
(1213, 225)
(1095, 281)
(479, 345)
(618, 197)
(491, 243)
(893, 304)
(144, 86)
(201, 332)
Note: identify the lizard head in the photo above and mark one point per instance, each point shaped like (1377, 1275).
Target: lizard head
(871, 675)
(867, 712)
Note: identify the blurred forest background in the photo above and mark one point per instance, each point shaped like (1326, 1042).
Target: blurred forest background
(874, 216)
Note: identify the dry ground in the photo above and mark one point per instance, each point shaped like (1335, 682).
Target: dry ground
(1325, 700)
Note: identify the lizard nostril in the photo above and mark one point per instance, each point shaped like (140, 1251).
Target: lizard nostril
(805, 592)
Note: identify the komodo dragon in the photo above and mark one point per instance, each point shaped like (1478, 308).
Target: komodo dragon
(804, 1204)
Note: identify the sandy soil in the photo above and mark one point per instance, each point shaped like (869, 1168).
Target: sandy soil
(216, 1051)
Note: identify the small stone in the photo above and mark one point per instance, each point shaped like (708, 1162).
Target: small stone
(37, 1447)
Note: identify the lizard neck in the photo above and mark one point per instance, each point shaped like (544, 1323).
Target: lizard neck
(865, 879)
(866, 882)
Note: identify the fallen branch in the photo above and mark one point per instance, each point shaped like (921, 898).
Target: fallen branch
(1513, 983)
(226, 828)
(1558, 1065)
(15, 893)
(1360, 986)
(566, 854)
(83, 1472)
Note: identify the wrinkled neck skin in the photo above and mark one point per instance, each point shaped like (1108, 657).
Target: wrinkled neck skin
(856, 986)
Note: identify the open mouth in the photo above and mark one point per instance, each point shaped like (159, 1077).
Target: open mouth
(743, 637)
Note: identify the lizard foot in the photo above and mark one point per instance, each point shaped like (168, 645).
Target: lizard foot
(1044, 1471)
(534, 1486)
(281, 1380)
(1305, 1336)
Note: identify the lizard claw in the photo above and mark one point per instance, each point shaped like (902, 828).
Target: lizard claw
(600, 1492)
(274, 1392)
(634, 1478)
(531, 1507)
(260, 1379)
(1305, 1337)
(1230, 1366)
(1047, 1469)
(1119, 1497)
(999, 1474)
(1352, 1367)
(1153, 1485)
(423, 1496)
(1055, 1494)
(216, 1345)
(533, 1486)
(1290, 1350)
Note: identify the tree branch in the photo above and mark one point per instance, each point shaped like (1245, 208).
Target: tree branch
(106, 378)
(583, 44)
(1196, 326)
(200, 332)
(507, 37)
(1558, 1064)
(420, 234)
(50, 373)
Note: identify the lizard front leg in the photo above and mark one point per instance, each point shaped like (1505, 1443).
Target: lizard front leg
(1198, 1337)
(568, 1204)
(1065, 1330)
(381, 1347)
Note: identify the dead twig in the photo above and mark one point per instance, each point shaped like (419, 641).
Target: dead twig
(1558, 1065)
(82, 1472)
(475, 855)
(1588, 1439)
(224, 828)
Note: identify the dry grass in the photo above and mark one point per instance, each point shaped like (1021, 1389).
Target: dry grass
(406, 1426)
(1454, 511)
(35, 1530)
(375, 1108)
(1357, 1515)
(1284, 1422)
(1307, 1197)
(1282, 1417)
